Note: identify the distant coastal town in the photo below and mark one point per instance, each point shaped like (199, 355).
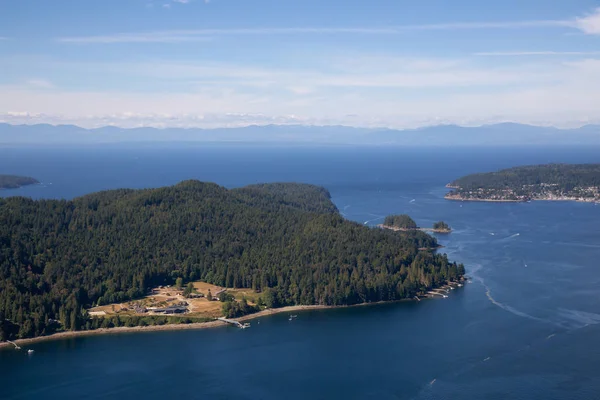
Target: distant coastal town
(550, 182)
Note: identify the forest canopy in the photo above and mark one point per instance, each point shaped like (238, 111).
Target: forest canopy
(565, 176)
(400, 221)
(441, 226)
(285, 241)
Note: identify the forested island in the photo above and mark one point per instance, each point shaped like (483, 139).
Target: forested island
(405, 223)
(577, 182)
(284, 244)
(15, 182)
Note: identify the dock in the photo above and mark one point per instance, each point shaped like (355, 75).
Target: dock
(14, 344)
(235, 323)
(433, 293)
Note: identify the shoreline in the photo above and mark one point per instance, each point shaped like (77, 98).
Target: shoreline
(458, 198)
(193, 326)
(116, 330)
(175, 327)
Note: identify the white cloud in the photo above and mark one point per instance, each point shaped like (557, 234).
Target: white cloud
(536, 53)
(590, 24)
(181, 1)
(360, 73)
(187, 35)
(40, 83)
(550, 93)
(140, 38)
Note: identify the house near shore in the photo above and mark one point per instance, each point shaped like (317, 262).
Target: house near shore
(175, 309)
(140, 309)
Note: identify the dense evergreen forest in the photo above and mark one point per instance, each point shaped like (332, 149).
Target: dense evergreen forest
(14, 181)
(531, 182)
(286, 241)
(402, 221)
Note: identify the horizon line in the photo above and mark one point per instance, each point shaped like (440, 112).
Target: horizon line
(307, 125)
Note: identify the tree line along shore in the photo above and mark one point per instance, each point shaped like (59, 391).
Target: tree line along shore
(285, 244)
(178, 323)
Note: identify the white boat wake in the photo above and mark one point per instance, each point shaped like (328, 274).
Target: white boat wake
(503, 306)
(375, 219)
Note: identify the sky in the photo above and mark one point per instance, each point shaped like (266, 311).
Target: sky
(376, 63)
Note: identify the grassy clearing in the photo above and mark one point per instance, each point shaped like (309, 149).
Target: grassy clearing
(166, 296)
(251, 296)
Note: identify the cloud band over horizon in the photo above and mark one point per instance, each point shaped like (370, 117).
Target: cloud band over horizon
(361, 76)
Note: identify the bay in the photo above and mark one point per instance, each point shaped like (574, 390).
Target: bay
(525, 328)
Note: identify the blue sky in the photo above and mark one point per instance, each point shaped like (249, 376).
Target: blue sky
(238, 62)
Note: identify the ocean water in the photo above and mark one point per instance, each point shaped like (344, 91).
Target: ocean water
(527, 327)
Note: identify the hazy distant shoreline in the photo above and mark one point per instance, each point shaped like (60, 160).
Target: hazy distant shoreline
(428, 135)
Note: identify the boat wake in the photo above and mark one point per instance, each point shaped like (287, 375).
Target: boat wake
(575, 319)
(505, 307)
(373, 220)
(508, 308)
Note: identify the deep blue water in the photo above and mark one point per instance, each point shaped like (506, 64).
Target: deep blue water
(526, 328)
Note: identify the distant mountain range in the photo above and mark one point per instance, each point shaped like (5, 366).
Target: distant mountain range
(442, 135)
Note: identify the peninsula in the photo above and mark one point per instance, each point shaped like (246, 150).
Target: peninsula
(567, 182)
(188, 253)
(15, 182)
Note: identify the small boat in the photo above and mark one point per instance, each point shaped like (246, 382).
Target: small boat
(30, 351)
(244, 326)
